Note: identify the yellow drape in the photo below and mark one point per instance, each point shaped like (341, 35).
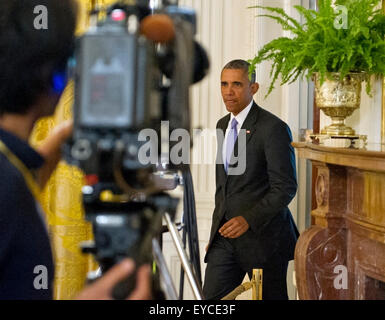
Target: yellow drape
(62, 200)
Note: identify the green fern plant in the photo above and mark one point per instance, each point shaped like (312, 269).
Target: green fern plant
(318, 46)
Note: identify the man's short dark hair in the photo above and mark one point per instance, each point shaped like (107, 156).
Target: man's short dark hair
(240, 64)
(28, 55)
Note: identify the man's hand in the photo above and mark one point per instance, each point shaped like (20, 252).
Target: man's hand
(234, 228)
(102, 288)
(51, 150)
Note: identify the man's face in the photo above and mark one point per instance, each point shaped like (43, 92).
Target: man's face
(237, 91)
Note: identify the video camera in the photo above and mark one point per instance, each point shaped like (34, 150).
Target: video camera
(132, 71)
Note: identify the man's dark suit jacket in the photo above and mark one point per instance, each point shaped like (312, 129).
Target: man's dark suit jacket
(262, 193)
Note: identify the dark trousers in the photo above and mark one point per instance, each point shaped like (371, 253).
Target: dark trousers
(224, 272)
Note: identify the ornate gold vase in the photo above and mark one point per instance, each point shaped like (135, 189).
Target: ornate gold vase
(338, 98)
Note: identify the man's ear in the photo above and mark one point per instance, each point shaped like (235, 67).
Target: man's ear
(254, 88)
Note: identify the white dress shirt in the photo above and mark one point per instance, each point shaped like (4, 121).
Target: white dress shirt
(240, 117)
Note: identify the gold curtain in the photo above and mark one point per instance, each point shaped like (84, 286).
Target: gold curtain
(62, 200)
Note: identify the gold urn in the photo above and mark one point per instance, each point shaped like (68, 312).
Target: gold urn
(338, 98)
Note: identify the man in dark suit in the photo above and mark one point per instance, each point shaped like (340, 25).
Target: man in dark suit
(252, 226)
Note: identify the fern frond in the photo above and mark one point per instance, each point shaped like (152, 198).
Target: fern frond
(319, 46)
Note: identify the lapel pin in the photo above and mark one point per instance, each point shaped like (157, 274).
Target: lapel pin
(247, 131)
